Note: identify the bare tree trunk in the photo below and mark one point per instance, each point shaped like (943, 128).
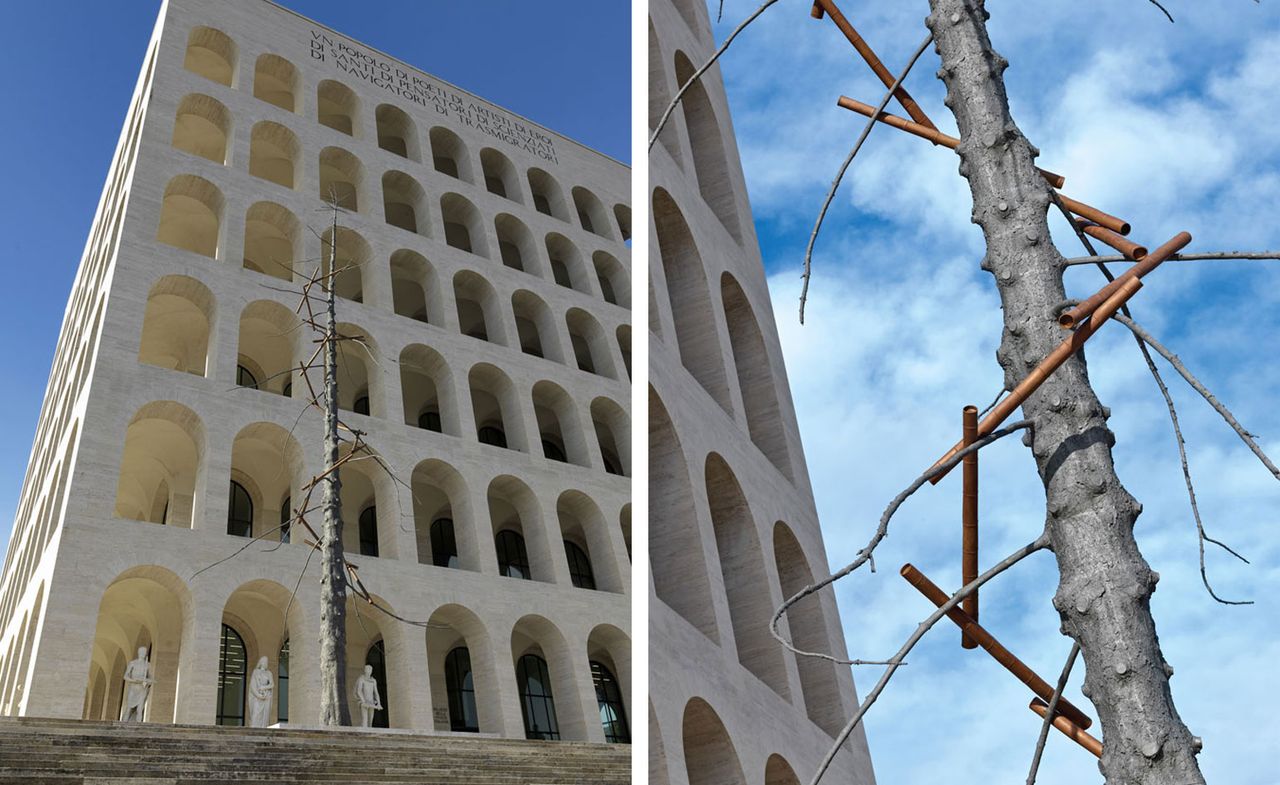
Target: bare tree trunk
(1105, 585)
(333, 579)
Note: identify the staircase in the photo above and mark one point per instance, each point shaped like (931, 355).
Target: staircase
(75, 752)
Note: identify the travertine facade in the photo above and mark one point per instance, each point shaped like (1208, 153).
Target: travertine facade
(490, 278)
(733, 528)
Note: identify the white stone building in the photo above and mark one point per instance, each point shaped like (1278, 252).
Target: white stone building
(733, 526)
(490, 277)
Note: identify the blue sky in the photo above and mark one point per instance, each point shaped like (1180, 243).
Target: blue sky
(560, 63)
(1170, 126)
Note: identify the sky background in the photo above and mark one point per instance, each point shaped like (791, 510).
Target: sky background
(71, 91)
(1169, 126)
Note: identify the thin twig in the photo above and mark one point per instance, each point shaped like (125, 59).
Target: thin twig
(1184, 257)
(1168, 15)
(1209, 397)
(866, 554)
(844, 167)
(1039, 543)
(237, 552)
(1053, 708)
(671, 107)
(1202, 537)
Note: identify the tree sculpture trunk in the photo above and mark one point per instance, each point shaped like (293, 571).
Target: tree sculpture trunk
(333, 580)
(1105, 585)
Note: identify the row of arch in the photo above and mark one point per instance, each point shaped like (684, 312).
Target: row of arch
(710, 757)
(212, 54)
(461, 659)
(681, 577)
(177, 325)
(16, 667)
(696, 339)
(192, 218)
(703, 128)
(502, 529)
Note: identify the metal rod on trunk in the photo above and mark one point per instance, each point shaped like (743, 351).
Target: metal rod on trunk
(1124, 245)
(1047, 366)
(1071, 318)
(1069, 729)
(928, 132)
(992, 646)
(869, 55)
(969, 521)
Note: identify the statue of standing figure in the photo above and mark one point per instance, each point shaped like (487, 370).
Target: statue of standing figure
(262, 687)
(137, 682)
(367, 697)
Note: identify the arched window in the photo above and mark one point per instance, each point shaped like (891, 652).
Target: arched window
(444, 547)
(336, 106)
(286, 522)
(491, 434)
(513, 559)
(240, 512)
(429, 420)
(275, 81)
(377, 659)
(536, 701)
(369, 533)
(579, 566)
(460, 686)
(282, 684)
(231, 672)
(211, 54)
(245, 377)
(361, 405)
(552, 451)
(613, 715)
(201, 127)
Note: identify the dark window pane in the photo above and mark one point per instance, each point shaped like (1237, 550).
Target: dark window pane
(245, 378)
(613, 715)
(536, 701)
(513, 560)
(579, 566)
(369, 532)
(377, 657)
(460, 686)
(231, 674)
(488, 434)
(361, 406)
(240, 512)
(444, 548)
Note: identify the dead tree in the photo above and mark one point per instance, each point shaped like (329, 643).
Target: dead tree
(1105, 585)
(333, 575)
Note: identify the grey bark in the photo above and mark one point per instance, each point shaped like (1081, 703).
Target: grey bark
(333, 577)
(1105, 585)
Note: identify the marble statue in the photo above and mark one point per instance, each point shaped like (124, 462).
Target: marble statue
(137, 682)
(367, 696)
(262, 687)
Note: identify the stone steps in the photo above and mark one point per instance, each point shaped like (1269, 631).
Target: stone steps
(73, 752)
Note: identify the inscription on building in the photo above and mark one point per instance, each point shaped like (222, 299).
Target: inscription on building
(362, 64)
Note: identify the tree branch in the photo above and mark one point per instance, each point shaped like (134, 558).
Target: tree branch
(1053, 708)
(896, 661)
(671, 107)
(866, 554)
(1183, 257)
(844, 167)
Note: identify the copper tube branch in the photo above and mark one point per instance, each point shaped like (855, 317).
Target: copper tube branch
(925, 132)
(1068, 728)
(1047, 366)
(1071, 318)
(969, 521)
(869, 55)
(992, 646)
(1131, 250)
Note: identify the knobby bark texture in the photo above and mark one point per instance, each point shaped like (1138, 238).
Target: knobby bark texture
(1105, 585)
(333, 578)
